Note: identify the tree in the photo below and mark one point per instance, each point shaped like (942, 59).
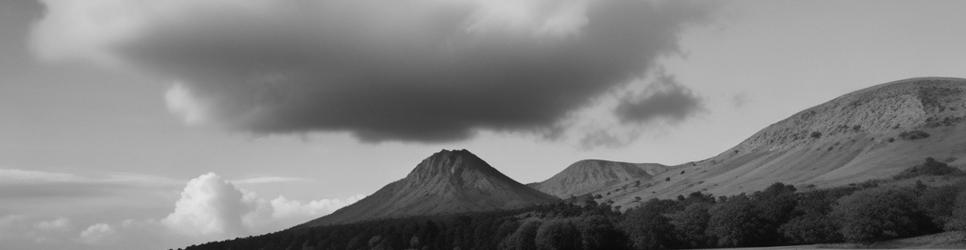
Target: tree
(523, 238)
(938, 203)
(690, 225)
(558, 234)
(776, 206)
(958, 219)
(877, 214)
(735, 222)
(506, 229)
(811, 228)
(647, 228)
(597, 232)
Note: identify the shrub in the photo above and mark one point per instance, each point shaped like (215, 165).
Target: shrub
(816, 134)
(930, 167)
(913, 135)
(877, 214)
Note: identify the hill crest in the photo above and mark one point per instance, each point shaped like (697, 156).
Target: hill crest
(587, 176)
(872, 133)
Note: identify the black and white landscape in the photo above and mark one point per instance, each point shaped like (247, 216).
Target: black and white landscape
(482, 124)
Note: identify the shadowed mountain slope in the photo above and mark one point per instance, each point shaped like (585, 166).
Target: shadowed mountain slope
(446, 182)
(868, 134)
(587, 176)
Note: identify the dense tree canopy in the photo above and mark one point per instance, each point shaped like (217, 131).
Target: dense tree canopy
(879, 214)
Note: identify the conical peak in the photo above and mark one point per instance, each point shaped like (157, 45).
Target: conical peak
(452, 153)
(448, 163)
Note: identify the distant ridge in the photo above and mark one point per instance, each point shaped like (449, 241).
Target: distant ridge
(586, 176)
(449, 181)
(871, 133)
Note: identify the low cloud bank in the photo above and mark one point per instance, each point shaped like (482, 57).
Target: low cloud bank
(209, 208)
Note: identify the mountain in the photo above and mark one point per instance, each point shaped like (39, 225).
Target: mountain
(871, 133)
(446, 182)
(586, 176)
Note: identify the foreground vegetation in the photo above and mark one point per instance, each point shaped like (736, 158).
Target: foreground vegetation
(779, 215)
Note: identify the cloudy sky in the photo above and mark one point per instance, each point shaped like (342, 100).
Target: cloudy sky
(182, 121)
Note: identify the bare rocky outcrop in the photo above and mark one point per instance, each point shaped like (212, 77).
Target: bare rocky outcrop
(904, 105)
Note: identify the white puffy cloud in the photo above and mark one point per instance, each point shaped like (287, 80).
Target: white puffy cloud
(182, 103)
(209, 205)
(100, 233)
(59, 224)
(213, 207)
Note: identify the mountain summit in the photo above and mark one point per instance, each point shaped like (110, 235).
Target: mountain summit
(449, 181)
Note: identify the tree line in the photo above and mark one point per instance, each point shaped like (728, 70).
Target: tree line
(778, 215)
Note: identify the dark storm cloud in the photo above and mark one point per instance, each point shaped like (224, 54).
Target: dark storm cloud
(667, 99)
(397, 70)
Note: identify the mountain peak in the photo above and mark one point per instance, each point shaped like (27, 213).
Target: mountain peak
(449, 181)
(450, 163)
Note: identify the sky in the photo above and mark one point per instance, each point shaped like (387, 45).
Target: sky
(182, 121)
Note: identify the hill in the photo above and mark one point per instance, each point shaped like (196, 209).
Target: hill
(871, 133)
(447, 182)
(587, 176)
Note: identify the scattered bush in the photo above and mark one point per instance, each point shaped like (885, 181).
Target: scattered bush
(816, 134)
(913, 135)
(930, 167)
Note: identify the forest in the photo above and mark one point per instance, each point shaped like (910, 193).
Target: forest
(781, 214)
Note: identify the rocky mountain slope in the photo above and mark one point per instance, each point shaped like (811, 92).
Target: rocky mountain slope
(867, 134)
(587, 176)
(446, 182)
